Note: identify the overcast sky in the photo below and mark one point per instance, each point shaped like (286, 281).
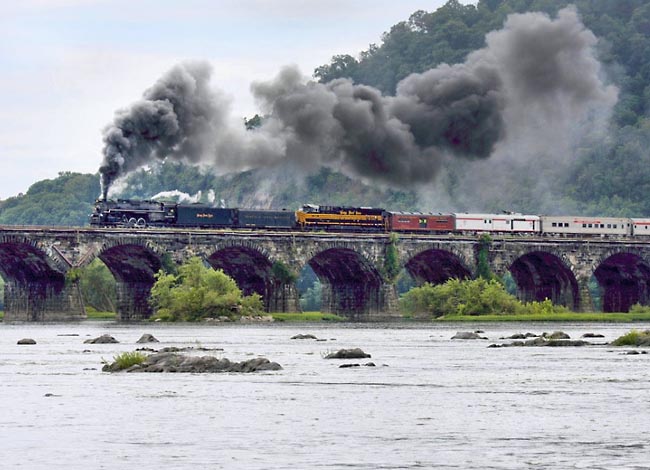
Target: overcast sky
(67, 65)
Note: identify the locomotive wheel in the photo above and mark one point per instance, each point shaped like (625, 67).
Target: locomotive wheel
(141, 223)
(132, 222)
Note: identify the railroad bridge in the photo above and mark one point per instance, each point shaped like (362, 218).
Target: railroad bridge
(40, 267)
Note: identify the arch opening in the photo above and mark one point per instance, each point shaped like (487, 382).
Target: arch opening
(436, 267)
(34, 288)
(540, 275)
(133, 267)
(250, 269)
(624, 280)
(350, 284)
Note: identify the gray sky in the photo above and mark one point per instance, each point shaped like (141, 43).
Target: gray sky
(68, 65)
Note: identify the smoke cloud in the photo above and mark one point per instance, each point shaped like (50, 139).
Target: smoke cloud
(535, 70)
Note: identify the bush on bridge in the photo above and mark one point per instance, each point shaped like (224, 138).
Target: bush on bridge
(199, 292)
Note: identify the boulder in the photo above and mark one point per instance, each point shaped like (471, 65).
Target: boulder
(467, 335)
(26, 341)
(147, 338)
(542, 342)
(103, 339)
(592, 335)
(301, 336)
(355, 353)
(173, 362)
(557, 335)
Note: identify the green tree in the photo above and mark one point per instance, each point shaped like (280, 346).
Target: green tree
(198, 292)
(483, 270)
(310, 300)
(98, 287)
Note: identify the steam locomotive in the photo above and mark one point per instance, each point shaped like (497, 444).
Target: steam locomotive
(141, 214)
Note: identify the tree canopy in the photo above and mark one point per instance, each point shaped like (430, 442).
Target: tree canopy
(199, 292)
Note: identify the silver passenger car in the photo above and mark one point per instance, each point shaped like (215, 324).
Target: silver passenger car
(586, 225)
(641, 227)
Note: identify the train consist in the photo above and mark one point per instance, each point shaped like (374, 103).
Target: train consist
(140, 214)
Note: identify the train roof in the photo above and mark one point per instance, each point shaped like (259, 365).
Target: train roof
(447, 214)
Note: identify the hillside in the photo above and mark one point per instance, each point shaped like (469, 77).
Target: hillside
(603, 170)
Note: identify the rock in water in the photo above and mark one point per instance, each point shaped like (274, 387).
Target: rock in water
(355, 353)
(557, 335)
(467, 335)
(26, 341)
(147, 338)
(173, 362)
(103, 339)
(301, 336)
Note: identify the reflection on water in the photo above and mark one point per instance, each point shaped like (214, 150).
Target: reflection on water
(430, 402)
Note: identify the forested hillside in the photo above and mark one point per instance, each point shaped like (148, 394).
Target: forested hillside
(605, 171)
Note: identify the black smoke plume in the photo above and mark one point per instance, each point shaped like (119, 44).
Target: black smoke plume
(534, 65)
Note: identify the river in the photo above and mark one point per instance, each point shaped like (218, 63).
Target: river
(430, 402)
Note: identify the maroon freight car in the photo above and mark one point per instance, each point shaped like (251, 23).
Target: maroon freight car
(419, 222)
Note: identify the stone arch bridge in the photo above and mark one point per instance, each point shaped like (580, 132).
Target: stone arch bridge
(40, 267)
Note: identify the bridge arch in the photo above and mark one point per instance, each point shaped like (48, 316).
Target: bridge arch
(250, 267)
(436, 266)
(36, 287)
(352, 285)
(624, 280)
(133, 265)
(541, 274)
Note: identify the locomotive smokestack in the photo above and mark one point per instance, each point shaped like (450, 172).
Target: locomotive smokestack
(535, 64)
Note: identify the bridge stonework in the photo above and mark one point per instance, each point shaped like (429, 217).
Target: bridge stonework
(40, 267)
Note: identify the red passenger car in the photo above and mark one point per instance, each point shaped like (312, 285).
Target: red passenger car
(419, 222)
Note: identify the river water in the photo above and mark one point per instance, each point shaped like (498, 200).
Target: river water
(430, 402)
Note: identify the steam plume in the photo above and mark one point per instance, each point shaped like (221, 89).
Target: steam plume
(534, 70)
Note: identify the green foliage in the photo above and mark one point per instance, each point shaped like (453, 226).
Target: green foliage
(469, 298)
(127, 359)
(65, 200)
(639, 309)
(311, 298)
(98, 287)
(168, 265)
(199, 292)
(391, 259)
(483, 264)
(73, 275)
(633, 338)
(282, 273)
(306, 316)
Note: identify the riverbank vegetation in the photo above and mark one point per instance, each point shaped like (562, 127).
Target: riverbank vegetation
(198, 292)
(470, 298)
(307, 316)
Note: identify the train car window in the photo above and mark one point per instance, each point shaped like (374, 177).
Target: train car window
(584, 225)
(590, 226)
(609, 225)
(615, 226)
(566, 224)
(602, 225)
(554, 224)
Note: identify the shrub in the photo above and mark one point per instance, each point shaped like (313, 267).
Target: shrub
(127, 359)
(198, 292)
(633, 338)
(469, 297)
